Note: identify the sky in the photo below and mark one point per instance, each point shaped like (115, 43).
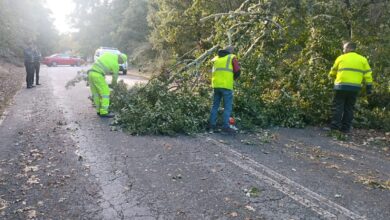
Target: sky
(60, 12)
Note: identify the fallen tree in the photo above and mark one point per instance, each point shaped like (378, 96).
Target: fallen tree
(286, 49)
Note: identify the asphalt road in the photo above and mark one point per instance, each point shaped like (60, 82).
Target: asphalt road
(59, 160)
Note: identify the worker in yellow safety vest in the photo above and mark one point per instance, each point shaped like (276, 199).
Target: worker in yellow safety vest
(226, 69)
(350, 70)
(107, 63)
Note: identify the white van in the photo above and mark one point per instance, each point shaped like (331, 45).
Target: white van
(102, 50)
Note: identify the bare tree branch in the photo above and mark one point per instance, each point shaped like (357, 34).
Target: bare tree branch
(195, 62)
(252, 46)
(239, 13)
(242, 5)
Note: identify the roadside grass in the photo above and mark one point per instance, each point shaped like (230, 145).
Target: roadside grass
(11, 80)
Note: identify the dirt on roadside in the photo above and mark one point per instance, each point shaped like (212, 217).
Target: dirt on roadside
(11, 79)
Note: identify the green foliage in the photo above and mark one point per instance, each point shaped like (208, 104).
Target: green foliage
(286, 49)
(285, 80)
(176, 26)
(133, 28)
(373, 116)
(117, 23)
(156, 109)
(338, 135)
(97, 22)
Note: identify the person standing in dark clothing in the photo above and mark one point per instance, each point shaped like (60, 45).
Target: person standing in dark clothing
(29, 64)
(37, 63)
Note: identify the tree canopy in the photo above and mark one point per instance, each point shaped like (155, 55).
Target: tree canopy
(286, 49)
(22, 21)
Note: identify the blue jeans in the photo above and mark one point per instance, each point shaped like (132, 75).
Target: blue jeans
(227, 96)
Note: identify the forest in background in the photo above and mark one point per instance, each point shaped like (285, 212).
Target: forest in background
(286, 49)
(22, 21)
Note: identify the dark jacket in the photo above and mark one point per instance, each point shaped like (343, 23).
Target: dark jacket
(28, 55)
(37, 56)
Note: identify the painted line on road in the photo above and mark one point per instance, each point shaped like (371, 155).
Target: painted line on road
(319, 204)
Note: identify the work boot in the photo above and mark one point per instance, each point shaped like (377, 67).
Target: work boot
(211, 129)
(108, 115)
(229, 130)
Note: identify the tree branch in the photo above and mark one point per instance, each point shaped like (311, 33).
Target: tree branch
(239, 13)
(195, 62)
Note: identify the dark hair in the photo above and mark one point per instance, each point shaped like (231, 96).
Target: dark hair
(350, 45)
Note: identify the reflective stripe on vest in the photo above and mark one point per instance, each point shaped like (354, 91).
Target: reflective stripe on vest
(349, 84)
(354, 70)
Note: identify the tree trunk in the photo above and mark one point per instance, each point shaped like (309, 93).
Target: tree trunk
(348, 22)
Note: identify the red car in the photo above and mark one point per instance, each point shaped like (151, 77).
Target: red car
(62, 59)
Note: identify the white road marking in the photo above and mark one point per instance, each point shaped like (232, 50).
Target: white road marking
(297, 192)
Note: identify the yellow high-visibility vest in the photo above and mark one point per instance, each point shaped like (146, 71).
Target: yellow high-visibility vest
(223, 72)
(350, 70)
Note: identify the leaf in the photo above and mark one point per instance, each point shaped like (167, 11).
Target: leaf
(31, 169)
(233, 214)
(250, 208)
(3, 204)
(31, 214)
(33, 180)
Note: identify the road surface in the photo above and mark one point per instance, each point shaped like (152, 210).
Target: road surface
(59, 160)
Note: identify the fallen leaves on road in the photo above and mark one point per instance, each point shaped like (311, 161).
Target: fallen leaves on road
(31, 214)
(247, 142)
(374, 182)
(265, 137)
(168, 147)
(31, 169)
(33, 180)
(11, 80)
(36, 154)
(233, 214)
(250, 208)
(3, 204)
(333, 166)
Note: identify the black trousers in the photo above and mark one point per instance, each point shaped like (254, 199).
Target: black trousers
(36, 69)
(29, 73)
(343, 106)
